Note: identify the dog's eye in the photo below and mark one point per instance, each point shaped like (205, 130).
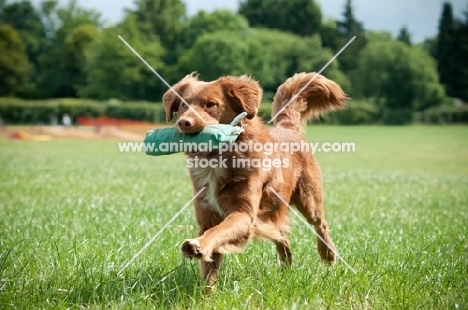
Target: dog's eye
(210, 104)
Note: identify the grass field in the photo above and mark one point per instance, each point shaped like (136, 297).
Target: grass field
(73, 212)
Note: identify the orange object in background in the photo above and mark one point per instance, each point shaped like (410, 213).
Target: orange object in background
(107, 121)
(21, 135)
(85, 128)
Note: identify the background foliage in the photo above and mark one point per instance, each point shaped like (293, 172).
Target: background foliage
(52, 51)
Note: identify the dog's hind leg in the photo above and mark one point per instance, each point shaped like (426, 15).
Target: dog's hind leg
(308, 199)
(284, 252)
(325, 245)
(276, 233)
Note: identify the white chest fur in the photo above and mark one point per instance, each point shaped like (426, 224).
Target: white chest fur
(209, 177)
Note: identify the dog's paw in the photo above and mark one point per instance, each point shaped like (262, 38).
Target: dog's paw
(328, 257)
(191, 248)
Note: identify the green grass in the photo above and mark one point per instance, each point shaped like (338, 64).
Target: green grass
(73, 212)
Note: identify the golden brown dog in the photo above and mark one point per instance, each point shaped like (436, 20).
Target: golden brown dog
(239, 204)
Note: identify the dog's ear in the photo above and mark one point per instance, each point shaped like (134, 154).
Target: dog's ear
(171, 101)
(245, 93)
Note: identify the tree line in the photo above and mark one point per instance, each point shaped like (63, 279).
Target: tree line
(52, 51)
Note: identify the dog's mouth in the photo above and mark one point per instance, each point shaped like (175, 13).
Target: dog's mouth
(190, 130)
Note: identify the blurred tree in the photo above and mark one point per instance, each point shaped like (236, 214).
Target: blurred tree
(27, 22)
(48, 11)
(430, 45)
(375, 36)
(205, 22)
(404, 35)
(114, 71)
(445, 49)
(225, 53)
(399, 76)
(329, 34)
(76, 44)
(302, 17)
(270, 55)
(59, 64)
(14, 65)
(347, 29)
(164, 19)
(460, 78)
(198, 25)
(289, 54)
(258, 12)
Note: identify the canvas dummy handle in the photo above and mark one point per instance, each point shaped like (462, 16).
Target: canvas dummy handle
(238, 119)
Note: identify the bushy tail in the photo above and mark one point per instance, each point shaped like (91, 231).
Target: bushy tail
(319, 96)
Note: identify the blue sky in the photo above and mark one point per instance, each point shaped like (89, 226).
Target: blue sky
(420, 16)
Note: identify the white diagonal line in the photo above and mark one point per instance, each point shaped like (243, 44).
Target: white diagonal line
(311, 80)
(318, 236)
(161, 78)
(159, 232)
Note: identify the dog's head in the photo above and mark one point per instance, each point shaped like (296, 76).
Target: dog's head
(216, 102)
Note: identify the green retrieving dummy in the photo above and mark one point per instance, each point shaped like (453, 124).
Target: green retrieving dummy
(165, 141)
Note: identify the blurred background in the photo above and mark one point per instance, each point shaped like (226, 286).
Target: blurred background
(63, 59)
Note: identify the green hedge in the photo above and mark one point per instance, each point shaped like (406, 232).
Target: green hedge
(16, 111)
(149, 112)
(358, 112)
(443, 115)
(396, 116)
(361, 112)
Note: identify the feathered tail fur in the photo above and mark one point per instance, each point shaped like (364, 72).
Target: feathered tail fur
(319, 95)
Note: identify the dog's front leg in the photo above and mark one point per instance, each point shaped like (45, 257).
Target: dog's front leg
(228, 236)
(209, 270)
(231, 235)
(219, 235)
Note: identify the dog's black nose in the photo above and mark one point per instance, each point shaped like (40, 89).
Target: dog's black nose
(184, 123)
